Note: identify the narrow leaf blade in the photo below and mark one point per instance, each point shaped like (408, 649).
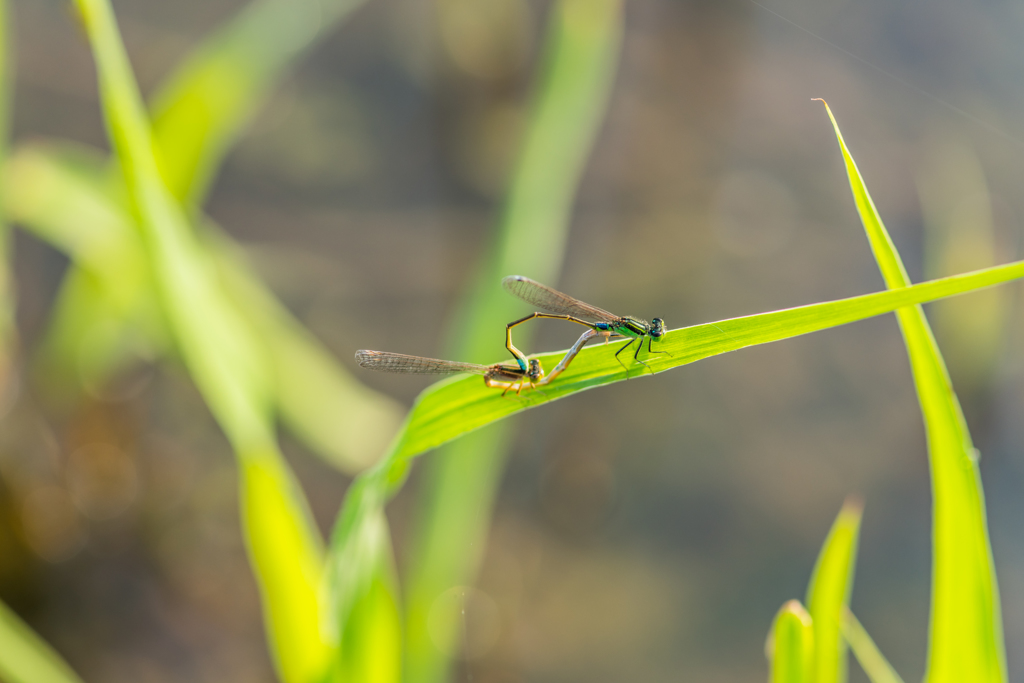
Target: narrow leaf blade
(791, 645)
(875, 665)
(27, 658)
(224, 359)
(965, 632)
(456, 406)
(829, 593)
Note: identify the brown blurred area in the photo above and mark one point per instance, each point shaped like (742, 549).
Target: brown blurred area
(646, 531)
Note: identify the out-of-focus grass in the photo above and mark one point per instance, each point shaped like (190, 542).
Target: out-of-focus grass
(813, 645)
(577, 69)
(104, 315)
(61, 194)
(27, 658)
(152, 275)
(790, 647)
(965, 630)
(829, 593)
(868, 656)
(218, 347)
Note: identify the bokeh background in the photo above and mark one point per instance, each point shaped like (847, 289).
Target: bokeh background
(645, 531)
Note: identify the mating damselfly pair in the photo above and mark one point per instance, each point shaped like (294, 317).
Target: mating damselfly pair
(525, 371)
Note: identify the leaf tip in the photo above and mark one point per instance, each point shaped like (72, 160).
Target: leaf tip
(853, 507)
(796, 608)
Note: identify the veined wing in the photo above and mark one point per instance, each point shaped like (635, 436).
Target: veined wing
(554, 301)
(383, 361)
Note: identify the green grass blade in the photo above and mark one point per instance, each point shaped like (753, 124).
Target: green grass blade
(27, 658)
(453, 407)
(286, 554)
(372, 647)
(360, 551)
(225, 362)
(205, 104)
(60, 193)
(62, 196)
(576, 73)
(829, 593)
(791, 646)
(198, 113)
(373, 651)
(965, 633)
(456, 406)
(875, 665)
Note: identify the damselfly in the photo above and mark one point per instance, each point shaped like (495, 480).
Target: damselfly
(501, 375)
(564, 307)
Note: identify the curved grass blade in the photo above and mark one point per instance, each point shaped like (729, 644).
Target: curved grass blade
(875, 665)
(965, 632)
(829, 593)
(27, 658)
(453, 407)
(790, 647)
(364, 590)
(225, 362)
(580, 57)
(199, 112)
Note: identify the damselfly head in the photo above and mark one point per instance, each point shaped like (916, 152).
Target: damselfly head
(536, 371)
(657, 328)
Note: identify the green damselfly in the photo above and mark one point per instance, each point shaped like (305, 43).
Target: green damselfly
(564, 307)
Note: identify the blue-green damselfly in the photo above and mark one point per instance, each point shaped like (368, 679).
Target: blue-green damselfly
(564, 307)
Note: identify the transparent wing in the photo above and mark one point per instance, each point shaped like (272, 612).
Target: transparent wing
(384, 361)
(553, 301)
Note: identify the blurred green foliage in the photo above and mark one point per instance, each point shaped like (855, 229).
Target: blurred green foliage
(25, 657)
(579, 60)
(869, 657)
(829, 594)
(226, 362)
(791, 645)
(152, 277)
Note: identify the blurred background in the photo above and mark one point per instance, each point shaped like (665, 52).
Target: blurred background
(646, 531)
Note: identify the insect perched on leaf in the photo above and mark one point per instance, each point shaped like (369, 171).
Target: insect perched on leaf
(564, 307)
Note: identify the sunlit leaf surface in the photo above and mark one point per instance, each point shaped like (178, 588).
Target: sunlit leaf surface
(966, 631)
(791, 645)
(219, 348)
(829, 593)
